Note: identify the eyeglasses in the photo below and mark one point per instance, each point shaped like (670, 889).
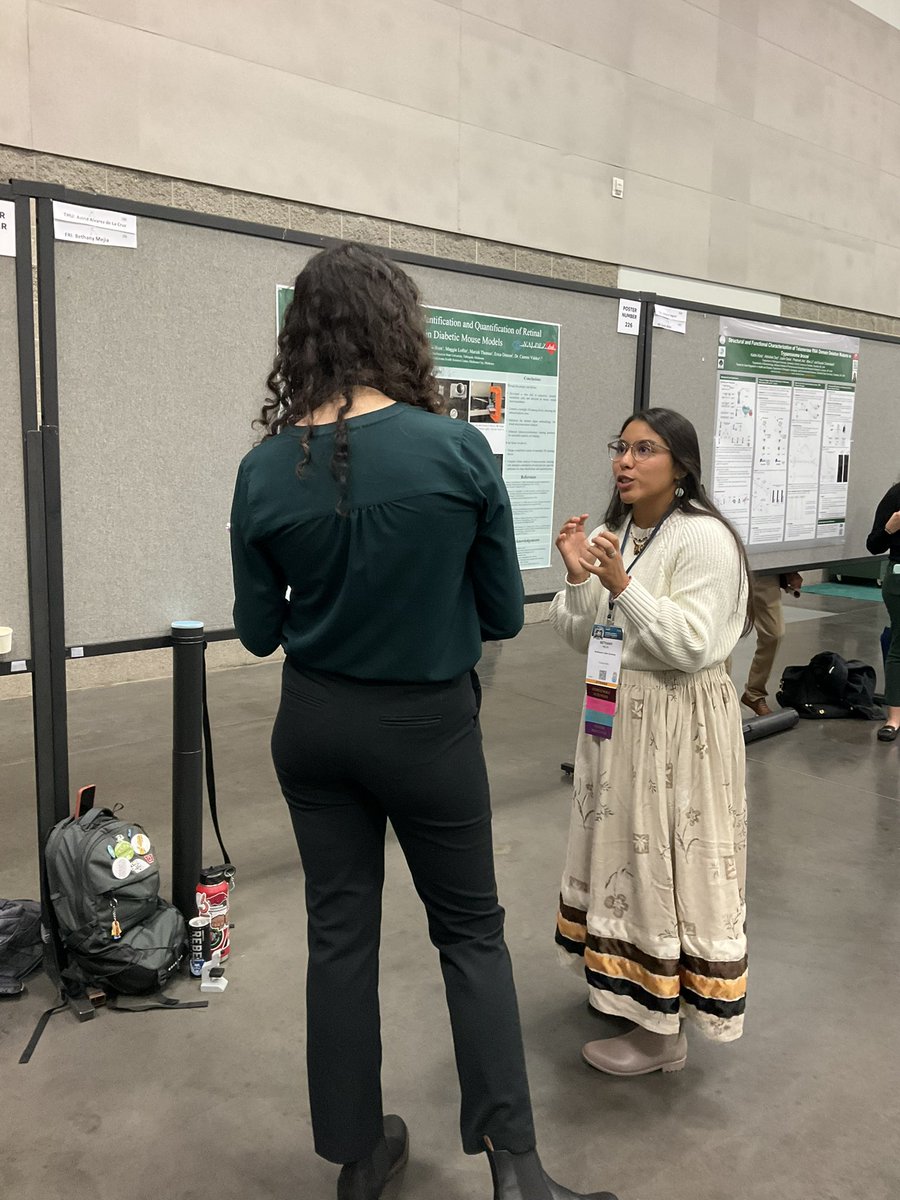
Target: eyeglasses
(640, 451)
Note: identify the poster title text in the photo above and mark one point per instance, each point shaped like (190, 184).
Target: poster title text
(484, 327)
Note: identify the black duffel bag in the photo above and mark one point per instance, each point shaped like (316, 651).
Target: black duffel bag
(830, 686)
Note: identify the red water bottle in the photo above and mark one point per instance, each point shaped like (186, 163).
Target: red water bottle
(212, 902)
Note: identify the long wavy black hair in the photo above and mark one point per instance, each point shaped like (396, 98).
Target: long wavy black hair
(355, 320)
(681, 437)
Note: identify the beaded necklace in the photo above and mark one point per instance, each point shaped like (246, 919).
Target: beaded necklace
(639, 539)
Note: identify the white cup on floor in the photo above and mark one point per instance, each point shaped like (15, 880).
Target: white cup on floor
(5, 639)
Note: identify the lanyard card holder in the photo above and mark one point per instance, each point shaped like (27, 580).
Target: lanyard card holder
(604, 666)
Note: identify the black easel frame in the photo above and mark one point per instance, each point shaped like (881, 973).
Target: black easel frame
(44, 497)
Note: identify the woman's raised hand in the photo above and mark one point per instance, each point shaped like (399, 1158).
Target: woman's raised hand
(604, 560)
(573, 546)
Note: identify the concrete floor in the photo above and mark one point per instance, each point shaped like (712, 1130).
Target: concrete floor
(213, 1103)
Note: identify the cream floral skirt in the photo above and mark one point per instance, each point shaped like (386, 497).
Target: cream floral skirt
(652, 898)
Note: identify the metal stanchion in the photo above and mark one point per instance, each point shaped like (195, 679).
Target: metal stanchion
(187, 763)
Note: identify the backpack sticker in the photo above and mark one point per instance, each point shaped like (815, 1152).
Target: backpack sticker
(140, 843)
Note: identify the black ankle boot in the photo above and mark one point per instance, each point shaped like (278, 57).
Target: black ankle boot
(521, 1177)
(367, 1178)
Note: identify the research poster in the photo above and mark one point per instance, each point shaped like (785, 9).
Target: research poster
(784, 431)
(501, 374)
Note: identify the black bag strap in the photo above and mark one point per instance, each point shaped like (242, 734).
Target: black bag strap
(208, 763)
(45, 1016)
(158, 1003)
(55, 957)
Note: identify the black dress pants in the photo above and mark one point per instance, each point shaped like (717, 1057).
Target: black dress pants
(351, 755)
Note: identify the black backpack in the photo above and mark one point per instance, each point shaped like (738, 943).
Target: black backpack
(104, 886)
(830, 686)
(21, 948)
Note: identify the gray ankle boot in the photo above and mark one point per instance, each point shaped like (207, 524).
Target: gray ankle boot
(638, 1052)
(521, 1177)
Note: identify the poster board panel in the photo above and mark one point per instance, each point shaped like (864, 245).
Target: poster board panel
(163, 354)
(14, 574)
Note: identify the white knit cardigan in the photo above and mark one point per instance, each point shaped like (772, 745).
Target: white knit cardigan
(684, 608)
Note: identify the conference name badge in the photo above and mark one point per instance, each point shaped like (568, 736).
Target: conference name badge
(604, 666)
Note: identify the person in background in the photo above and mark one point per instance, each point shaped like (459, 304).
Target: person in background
(768, 621)
(885, 536)
(652, 896)
(391, 526)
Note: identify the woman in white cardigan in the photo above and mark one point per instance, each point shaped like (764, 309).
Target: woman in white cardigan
(652, 896)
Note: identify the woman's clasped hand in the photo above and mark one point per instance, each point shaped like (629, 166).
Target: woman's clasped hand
(600, 556)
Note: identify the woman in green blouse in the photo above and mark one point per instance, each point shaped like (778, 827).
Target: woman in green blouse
(389, 526)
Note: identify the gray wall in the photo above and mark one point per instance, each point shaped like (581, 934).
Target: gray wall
(14, 569)
(163, 353)
(759, 140)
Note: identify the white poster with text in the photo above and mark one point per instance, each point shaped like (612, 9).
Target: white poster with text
(784, 431)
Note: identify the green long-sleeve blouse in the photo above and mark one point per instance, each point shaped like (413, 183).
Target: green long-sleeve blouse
(404, 585)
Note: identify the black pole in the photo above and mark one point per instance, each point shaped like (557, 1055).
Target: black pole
(47, 345)
(48, 682)
(643, 353)
(52, 512)
(187, 763)
(35, 529)
(57, 616)
(41, 676)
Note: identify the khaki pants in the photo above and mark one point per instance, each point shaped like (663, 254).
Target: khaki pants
(769, 625)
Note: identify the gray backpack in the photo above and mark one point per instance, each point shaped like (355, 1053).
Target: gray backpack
(104, 886)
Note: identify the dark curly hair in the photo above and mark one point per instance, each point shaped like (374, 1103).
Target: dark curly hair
(681, 438)
(355, 320)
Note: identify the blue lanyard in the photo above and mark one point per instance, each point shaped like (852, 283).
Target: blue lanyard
(629, 569)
